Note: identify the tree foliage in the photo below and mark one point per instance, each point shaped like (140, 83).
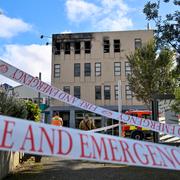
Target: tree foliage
(152, 73)
(11, 106)
(176, 105)
(167, 31)
(33, 111)
(168, 27)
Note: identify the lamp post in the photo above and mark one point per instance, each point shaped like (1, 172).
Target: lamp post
(119, 104)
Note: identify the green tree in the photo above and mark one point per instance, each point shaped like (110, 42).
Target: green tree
(176, 105)
(12, 106)
(166, 28)
(33, 111)
(152, 73)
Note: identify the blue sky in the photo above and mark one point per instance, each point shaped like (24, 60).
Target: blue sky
(23, 21)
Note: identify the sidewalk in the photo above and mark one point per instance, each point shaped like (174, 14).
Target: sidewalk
(59, 169)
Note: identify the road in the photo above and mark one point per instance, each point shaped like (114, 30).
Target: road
(59, 169)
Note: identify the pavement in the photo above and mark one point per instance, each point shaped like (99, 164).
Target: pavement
(60, 169)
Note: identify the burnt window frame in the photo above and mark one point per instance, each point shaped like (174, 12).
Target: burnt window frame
(67, 47)
(106, 45)
(57, 48)
(117, 45)
(77, 47)
(87, 48)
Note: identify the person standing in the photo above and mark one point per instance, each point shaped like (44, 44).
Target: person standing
(87, 124)
(57, 120)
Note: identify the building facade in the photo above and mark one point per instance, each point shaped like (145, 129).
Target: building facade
(89, 66)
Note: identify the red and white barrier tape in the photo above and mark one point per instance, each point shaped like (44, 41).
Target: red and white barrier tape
(22, 77)
(104, 128)
(37, 138)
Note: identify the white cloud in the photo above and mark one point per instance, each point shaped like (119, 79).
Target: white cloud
(66, 32)
(79, 10)
(30, 58)
(12, 26)
(115, 25)
(109, 15)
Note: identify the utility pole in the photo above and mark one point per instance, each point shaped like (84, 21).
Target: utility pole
(155, 115)
(119, 103)
(39, 94)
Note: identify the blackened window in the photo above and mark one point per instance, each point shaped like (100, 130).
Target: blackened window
(57, 48)
(77, 47)
(97, 92)
(106, 46)
(66, 89)
(128, 92)
(57, 70)
(137, 43)
(77, 70)
(77, 91)
(107, 92)
(67, 47)
(87, 69)
(87, 46)
(116, 45)
(117, 69)
(127, 69)
(97, 69)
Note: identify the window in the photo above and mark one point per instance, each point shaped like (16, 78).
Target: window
(77, 91)
(77, 47)
(106, 46)
(87, 46)
(97, 69)
(116, 91)
(97, 92)
(127, 69)
(116, 45)
(137, 43)
(66, 89)
(67, 47)
(128, 92)
(117, 69)
(57, 48)
(87, 69)
(56, 70)
(77, 70)
(107, 92)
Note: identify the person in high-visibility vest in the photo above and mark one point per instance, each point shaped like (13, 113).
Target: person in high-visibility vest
(56, 120)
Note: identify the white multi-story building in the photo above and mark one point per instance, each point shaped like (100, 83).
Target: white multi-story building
(89, 66)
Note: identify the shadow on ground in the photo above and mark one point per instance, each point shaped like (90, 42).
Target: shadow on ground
(54, 169)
